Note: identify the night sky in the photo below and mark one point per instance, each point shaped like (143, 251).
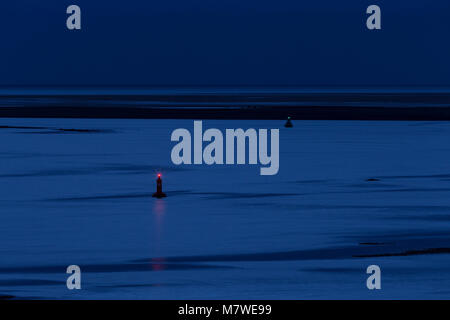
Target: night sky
(227, 42)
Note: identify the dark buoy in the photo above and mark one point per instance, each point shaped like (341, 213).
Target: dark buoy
(159, 194)
(288, 123)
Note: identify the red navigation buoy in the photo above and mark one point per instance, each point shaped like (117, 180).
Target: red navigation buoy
(288, 123)
(159, 194)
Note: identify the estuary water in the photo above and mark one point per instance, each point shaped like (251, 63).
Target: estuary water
(349, 194)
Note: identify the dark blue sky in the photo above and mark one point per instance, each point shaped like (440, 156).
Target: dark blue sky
(225, 42)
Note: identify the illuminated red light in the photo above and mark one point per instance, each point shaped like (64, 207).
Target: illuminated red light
(159, 193)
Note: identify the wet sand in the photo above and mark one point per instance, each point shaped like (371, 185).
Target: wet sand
(234, 105)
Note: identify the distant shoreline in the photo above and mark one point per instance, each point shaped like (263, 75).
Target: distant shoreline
(231, 105)
(231, 113)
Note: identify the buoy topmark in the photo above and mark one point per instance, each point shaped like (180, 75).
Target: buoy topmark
(288, 123)
(159, 194)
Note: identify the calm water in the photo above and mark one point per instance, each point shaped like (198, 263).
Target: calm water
(84, 197)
